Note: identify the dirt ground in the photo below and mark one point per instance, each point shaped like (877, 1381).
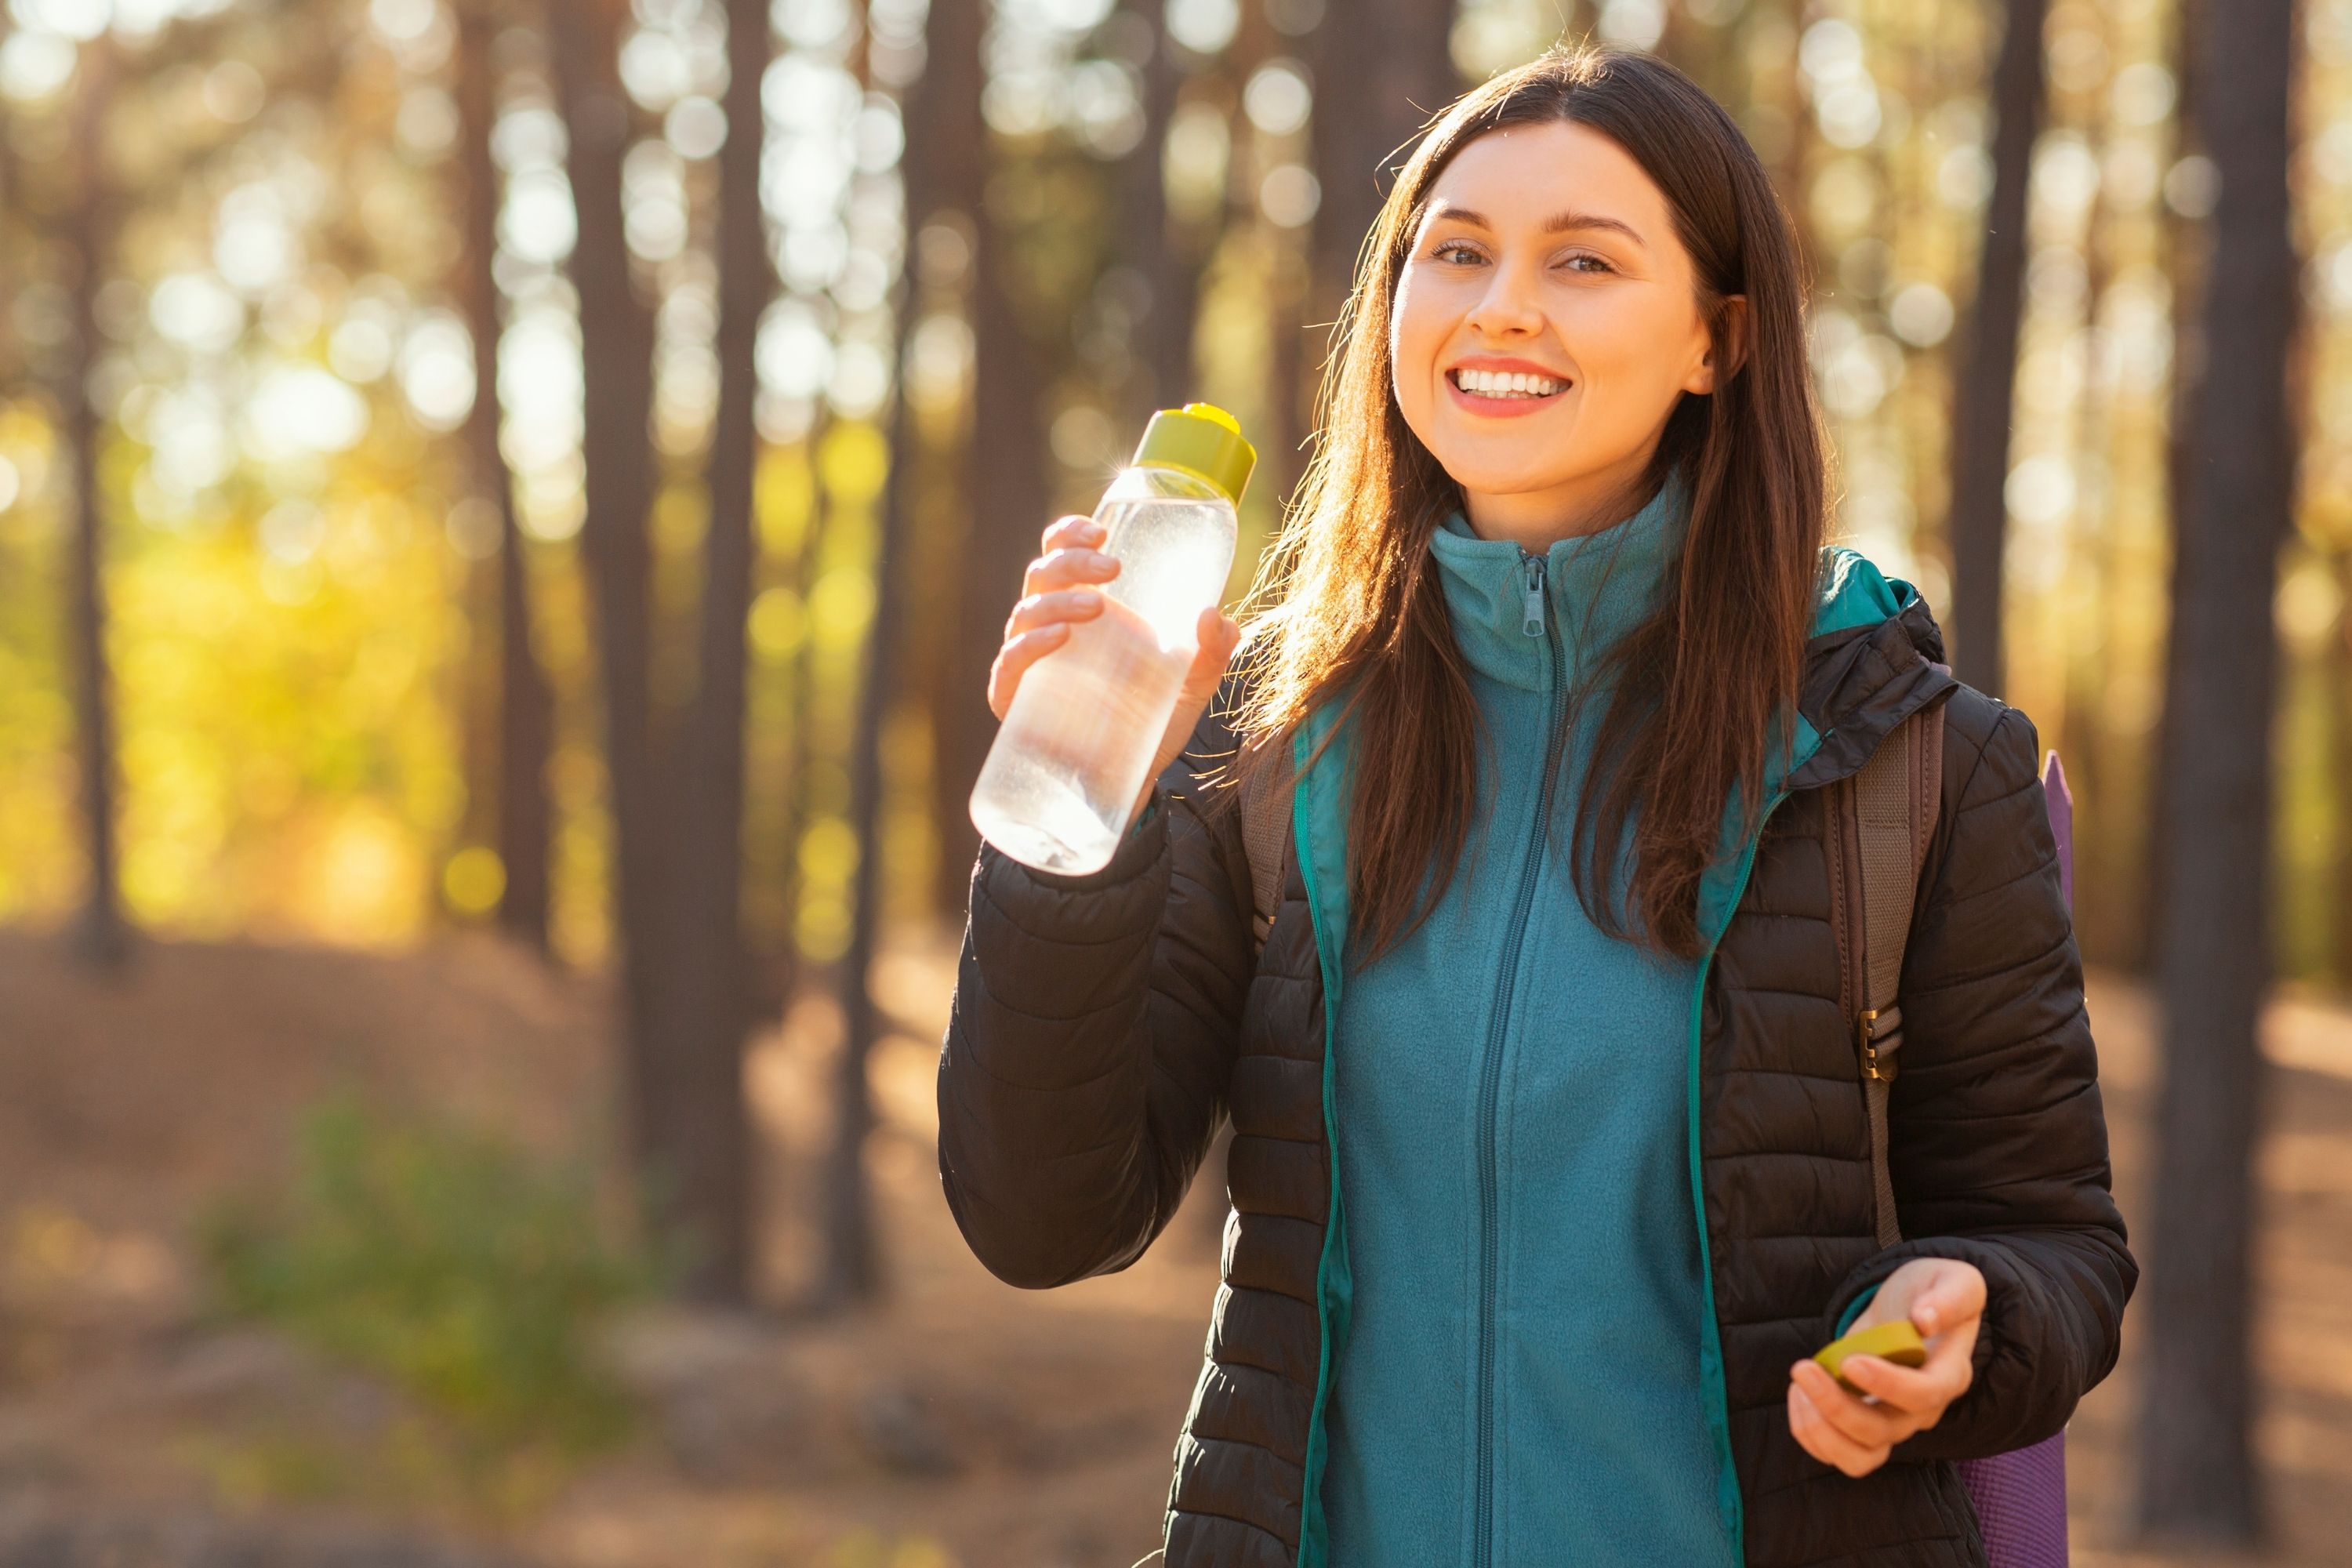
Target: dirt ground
(960, 1424)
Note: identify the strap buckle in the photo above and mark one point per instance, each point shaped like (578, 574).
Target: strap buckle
(1878, 1035)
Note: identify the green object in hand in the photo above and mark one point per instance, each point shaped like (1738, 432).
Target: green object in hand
(1896, 1342)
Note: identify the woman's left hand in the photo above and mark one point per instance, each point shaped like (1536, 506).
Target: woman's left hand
(1944, 1299)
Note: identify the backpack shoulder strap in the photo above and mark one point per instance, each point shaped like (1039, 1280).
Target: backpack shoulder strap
(1266, 835)
(1882, 818)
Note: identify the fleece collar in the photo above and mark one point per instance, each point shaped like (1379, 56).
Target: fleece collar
(1596, 586)
(1875, 657)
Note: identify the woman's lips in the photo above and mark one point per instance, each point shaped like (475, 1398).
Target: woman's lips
(1501, 407)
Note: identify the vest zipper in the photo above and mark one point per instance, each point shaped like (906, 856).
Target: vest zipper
(1536, 621)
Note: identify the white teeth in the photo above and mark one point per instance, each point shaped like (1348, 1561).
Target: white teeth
(1503, 384)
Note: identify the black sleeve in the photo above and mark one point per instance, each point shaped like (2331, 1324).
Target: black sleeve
(1093, 1034)
(1998, 1147)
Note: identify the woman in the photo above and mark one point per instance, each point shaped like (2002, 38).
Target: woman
(1551, 1164)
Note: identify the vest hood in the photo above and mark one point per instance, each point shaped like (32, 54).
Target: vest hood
(1875, 657)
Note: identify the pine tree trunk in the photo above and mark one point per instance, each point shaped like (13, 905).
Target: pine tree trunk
(617, 344)
(2085, 737)
(525, 728)
(1279, 453)
(803, 699)
(1276, 429)
(1978, 517)
(1382, 68)
(1006, 484)
(940, 168)
(2197, 1477)
(713, 1156)
(1169, 257)
(946, 170)
(102, 937)
(2185, 254)
(2339, 717)
(852, 1269)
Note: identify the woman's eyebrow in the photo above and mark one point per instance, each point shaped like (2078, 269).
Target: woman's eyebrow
(1556, 223)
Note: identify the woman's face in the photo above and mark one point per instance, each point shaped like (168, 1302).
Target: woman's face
(1545, 326)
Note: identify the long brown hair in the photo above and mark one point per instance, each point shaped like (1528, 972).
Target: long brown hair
(1348, 606)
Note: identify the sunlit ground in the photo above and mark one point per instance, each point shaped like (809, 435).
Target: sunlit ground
(963, 1423)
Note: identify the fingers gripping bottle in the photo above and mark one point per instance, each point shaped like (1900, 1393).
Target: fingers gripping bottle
(1088, 717)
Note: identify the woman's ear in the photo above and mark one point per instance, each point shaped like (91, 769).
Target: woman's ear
(1709, 375)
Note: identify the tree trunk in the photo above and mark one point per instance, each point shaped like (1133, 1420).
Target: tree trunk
(852, 1267)
(1286, 415)
(616, 344)
(2339, 718)
(713, 1152)
(2197, 1472)
(2083, 736)
(525, 729)
(2185, 254)
(103, 937)
(1009, 502)
(809, 550)
(940, 171)
(1168, 260)
(1280, 419)
(1006, 474)
(1382, 68)
(1712, 54)
(1979, 515)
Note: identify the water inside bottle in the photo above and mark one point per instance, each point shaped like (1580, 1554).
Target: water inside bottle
(1173, 554)
(1087, 718)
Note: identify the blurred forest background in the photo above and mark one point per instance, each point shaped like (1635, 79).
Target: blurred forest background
(505, 509)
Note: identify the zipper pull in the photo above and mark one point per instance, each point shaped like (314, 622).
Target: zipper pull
(1533, 605)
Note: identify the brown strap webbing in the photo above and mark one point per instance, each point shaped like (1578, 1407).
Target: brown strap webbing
(1266, 835)
(1892, 802)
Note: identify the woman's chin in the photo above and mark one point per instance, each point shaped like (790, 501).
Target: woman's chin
(1489, 473)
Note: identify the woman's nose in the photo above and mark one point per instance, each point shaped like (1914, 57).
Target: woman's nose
(1508, 306)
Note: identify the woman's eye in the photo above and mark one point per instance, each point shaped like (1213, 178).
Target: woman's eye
(1583, 261)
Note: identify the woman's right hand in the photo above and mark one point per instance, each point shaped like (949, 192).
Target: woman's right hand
(1058, 591)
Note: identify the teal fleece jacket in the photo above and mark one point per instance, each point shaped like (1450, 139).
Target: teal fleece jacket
(1521, 1382)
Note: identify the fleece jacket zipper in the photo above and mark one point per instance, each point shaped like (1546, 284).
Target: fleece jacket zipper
(1536, 622)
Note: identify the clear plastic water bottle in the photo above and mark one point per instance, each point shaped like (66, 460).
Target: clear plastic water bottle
(1087, 717)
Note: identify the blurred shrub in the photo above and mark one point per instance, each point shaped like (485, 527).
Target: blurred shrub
(471, 1274)
(864, 1549)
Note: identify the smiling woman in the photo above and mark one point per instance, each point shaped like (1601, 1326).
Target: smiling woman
(1554, 1067)
(1601, 224)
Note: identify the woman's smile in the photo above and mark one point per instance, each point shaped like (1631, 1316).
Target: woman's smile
(1504, 389)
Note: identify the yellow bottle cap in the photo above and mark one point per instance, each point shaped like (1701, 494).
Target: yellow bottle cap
(1200, 439)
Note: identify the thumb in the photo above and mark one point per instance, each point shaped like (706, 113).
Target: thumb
(1217, 635)
(1952, 1295)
